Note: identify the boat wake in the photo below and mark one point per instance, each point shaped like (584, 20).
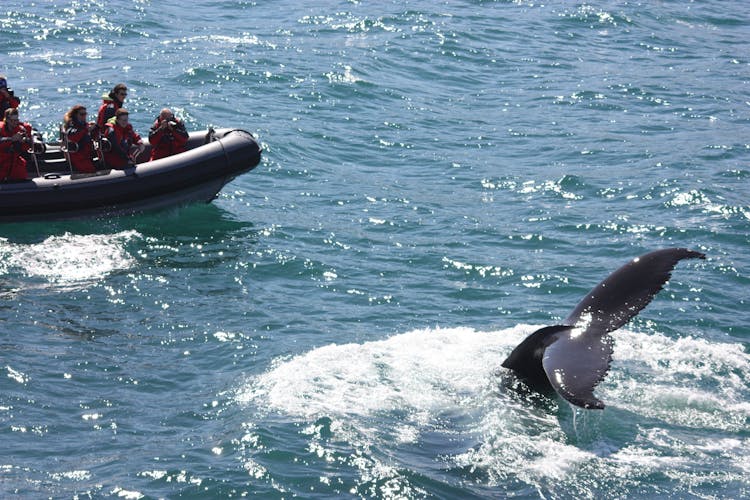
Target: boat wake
(67, 261)
(435, 403)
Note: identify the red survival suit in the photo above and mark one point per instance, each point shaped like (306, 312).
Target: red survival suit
(12, 163)
(8, 102)
(80, 155)
(106, 111)
(167, 141)
(121, 139)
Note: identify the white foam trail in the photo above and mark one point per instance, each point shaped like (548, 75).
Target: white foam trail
(70, 260)
(688, 381)
(449, 381)
(424, 371)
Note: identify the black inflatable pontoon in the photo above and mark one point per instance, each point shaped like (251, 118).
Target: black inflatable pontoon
(213, 159)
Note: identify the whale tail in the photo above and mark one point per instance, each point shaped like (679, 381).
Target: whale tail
(572, 358)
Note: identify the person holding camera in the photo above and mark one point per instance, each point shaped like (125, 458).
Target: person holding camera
(167, 136)
(125, 144)
(7, 98)
(15, 140)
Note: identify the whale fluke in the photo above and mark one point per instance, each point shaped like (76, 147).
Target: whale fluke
(573, 357)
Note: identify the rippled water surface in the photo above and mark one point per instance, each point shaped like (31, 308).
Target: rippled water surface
(439, 179)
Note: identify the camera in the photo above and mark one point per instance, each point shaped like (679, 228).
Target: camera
(172, 123)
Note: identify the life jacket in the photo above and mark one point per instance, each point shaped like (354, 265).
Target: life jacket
(10, 147)
(81, 154)
(167, 142)
(107, 110)
(8, 102)
(121, 139)
(12, 162)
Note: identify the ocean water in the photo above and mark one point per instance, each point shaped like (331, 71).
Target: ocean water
(439, 179)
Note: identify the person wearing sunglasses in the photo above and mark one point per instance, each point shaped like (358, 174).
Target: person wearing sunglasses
(80, 143)
(110, 104)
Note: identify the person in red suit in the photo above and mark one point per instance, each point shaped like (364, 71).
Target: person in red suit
(15, 139)
(80, 142)
(125, 143)
(7, 98)
(110, 104)
(167, 136)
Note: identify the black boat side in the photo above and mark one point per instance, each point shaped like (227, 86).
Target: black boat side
(196, 175)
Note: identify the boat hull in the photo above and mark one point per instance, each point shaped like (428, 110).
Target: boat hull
(196, 175)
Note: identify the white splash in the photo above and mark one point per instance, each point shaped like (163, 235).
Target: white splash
(448, 382)
(346, 76)
(70, 260)
(423, 370)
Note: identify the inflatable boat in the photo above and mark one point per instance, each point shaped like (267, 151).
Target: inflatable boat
(213, 158)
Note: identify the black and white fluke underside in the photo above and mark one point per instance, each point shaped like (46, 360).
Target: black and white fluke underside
(573, 357)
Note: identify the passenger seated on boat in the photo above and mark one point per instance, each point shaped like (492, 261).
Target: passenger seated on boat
(167, 136)
(110, 104)
(125, 143)
(78, 138)
(15, 139)
(7, 98)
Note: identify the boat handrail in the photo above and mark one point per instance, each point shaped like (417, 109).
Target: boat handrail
(210, 136)
(65, 147)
